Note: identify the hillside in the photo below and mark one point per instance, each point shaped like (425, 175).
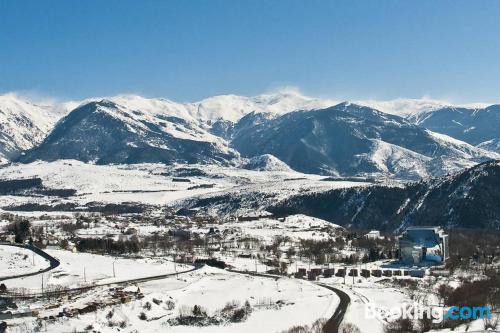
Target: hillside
(105, 132)
(467, 199)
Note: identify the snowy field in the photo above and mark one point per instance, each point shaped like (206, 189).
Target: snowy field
(81, 269)
(295, 227)
(276, 304)
(16, 261)
(154, 184)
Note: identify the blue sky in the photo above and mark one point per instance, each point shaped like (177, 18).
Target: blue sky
(187, 50)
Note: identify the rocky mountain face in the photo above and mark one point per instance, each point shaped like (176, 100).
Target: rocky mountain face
(477, 126)
(468, 199)
(352, 140)
(23, 125)
(105, 132)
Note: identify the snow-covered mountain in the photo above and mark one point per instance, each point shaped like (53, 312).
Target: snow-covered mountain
(105, 132)
(477, 126)
(308, 134)
(23, 125)
(491, 145)
(156, 122)
(413, 107)
(466, 199)
(222, 107)
(352, 140)
(233, 108)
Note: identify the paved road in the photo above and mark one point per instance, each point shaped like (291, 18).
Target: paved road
(53, 262)
(333, 324)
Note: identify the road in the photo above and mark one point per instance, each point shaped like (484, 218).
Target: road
(333, 324)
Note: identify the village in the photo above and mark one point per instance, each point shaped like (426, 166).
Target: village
(64, 267)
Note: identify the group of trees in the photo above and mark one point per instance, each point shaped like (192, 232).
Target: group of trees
(109, 245)
(21, 230)
(481, 292)
(376, 249)
(316, 250)
(471, 293)
(479, 248)
(162, 244)
(321, 326)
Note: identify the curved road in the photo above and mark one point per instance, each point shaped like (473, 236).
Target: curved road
(333, 324)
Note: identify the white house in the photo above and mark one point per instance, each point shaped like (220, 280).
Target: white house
(374, 234)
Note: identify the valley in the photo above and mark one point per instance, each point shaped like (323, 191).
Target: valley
(240, 214)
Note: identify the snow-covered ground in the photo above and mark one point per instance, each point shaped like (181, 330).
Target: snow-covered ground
(372, 296)
(80, 269)
(16, 261)
(155, 184)
(294, 227)
(276, 304)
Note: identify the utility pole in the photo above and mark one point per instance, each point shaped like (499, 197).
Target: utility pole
(175, 264)
(114, 272)
(42, 283)
(84, 274)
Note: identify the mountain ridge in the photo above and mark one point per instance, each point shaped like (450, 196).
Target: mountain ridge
(476, 126)
(105, 132)
(352, 140)
(466, 199)
(362, 141)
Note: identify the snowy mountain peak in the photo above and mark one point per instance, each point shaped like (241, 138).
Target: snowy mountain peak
(22, 125)
(233, 107)
(407, 107)
(221, 107)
